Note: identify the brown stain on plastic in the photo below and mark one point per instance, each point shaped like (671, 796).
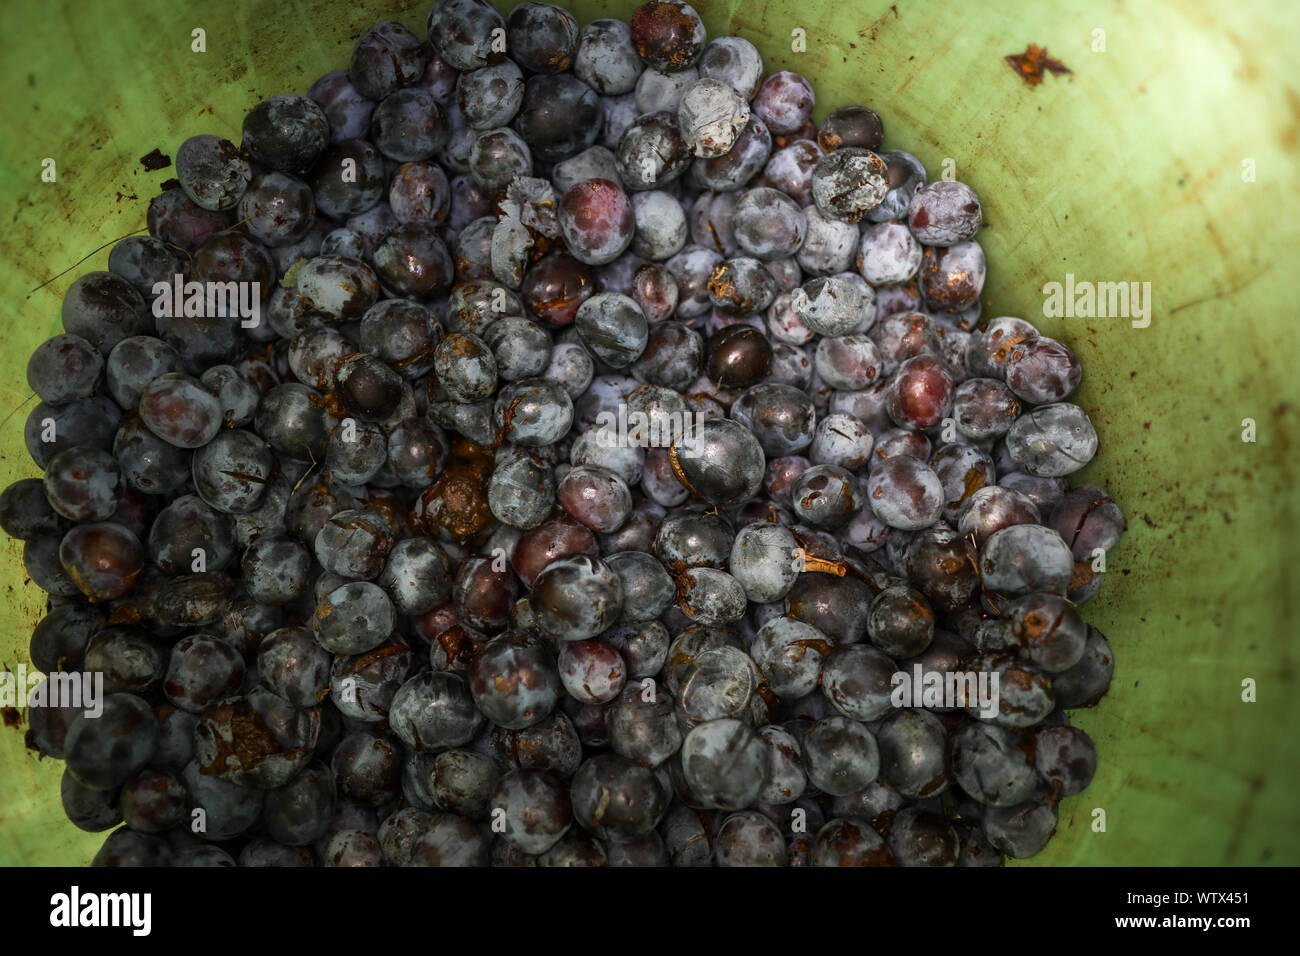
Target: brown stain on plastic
(1032, 65)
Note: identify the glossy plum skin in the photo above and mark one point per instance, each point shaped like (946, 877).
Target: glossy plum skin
(576, 598)
(667, 35)
(613, 329)
(180, 410)
(104, 559)
(514, 683)
(905, 493)
(536, 809)
(83, 484)
(556, 286)
(596, 220)
(921, 393)
(785, 102)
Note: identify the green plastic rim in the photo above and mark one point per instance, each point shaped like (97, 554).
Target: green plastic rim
(1168, 155)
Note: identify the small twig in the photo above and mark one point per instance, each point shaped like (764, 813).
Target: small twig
(305, 473)
(83, 259)
(16, 410)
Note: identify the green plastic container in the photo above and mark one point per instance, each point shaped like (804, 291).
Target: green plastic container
(1168, 155)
